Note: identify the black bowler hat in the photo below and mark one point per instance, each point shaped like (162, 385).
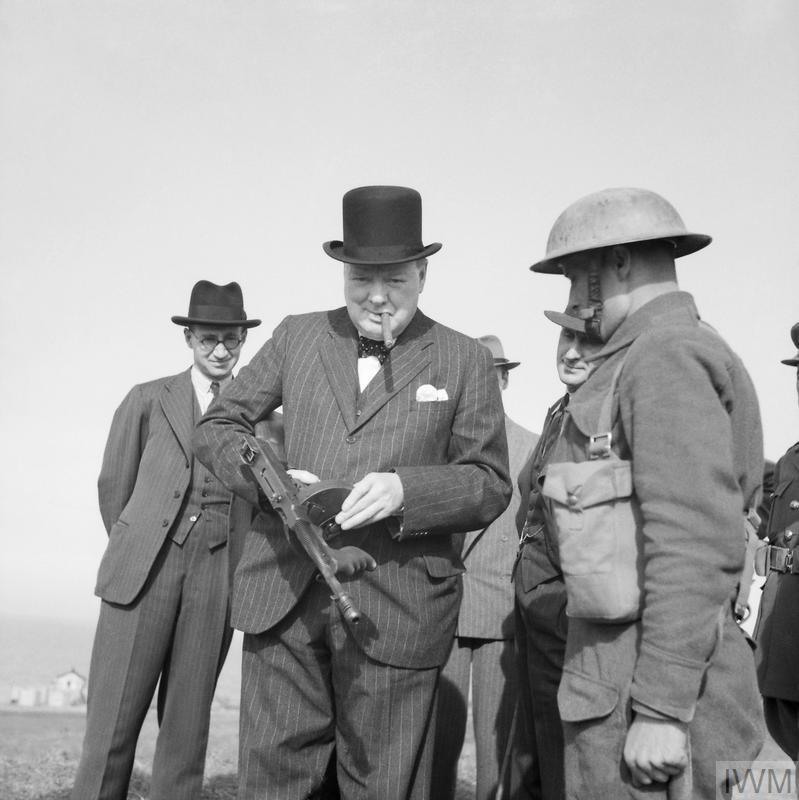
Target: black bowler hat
(382, 225)
(216, 305)
(793, 362)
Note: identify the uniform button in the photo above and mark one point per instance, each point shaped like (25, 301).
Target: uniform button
(794, 504)
(193, 518)
(208, 479)
(176, 494)
(788, 536)
(504, 538)
(204, 493)
(165, 523)
(358, 412)
(572, 499)
(350, 440)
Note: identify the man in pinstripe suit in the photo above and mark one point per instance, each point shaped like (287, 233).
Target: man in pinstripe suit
(164, 578)
(419, 430)
(483, 654)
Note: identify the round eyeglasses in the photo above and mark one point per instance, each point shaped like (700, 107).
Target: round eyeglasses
(209, 343)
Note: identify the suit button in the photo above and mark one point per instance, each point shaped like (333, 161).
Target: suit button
(165, 523)
(350, 439)
(358, 412)
(788, 536)
(204, 493)
(193, 518)
(176, 494)
(794, 504)
(208, 479)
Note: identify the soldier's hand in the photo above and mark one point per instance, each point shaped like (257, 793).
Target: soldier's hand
(656, 750)
(352, 561)
(376, 496)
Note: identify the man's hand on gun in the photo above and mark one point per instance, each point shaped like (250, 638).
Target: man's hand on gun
(350, 561)
(376, 496)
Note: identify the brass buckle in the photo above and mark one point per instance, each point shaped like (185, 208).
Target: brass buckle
(599, 445)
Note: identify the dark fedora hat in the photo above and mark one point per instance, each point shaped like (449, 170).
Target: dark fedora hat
(570, 319)
(793, 362)
(216, 305)
(495, 346)
(382, 225)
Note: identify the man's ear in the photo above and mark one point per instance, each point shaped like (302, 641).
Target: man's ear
(187, 336)
(620, 259)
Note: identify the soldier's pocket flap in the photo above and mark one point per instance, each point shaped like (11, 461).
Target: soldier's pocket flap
(581, 697)
(780, 488)
(588, 483)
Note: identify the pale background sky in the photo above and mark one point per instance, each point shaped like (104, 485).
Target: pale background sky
(145, 144)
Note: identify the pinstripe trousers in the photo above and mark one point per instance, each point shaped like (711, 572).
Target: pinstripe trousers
(312, 695)
(164, 634)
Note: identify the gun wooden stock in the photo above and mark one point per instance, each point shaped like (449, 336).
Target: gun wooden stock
(282, 495)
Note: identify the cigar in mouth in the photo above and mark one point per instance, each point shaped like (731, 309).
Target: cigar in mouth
(385, 322)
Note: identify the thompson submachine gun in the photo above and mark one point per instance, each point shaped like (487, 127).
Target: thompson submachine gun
(308, 512)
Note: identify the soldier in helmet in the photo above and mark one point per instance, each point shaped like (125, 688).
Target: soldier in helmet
(778, 653)
(661, 453)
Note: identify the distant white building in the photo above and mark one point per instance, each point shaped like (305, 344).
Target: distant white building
(67, 689)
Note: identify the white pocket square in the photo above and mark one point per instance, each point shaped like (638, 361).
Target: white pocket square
(429, 394)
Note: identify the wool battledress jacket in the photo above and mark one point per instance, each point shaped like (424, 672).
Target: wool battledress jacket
(687, 418)
(778, 645)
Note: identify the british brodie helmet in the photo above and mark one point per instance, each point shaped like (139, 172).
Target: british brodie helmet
(610, 217)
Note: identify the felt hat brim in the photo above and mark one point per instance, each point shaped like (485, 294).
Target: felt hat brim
(335, 249)
(218, 323)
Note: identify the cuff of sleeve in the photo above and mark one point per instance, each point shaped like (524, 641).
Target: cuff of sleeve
(667, 683)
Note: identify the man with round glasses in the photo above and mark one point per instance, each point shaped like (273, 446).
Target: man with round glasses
(164, 578)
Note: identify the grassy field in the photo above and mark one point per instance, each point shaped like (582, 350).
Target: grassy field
(40, 750)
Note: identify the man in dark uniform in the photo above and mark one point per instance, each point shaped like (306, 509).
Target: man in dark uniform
(778, 648)
(541, 594)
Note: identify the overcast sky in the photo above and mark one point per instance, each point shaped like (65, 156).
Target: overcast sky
(147, 144)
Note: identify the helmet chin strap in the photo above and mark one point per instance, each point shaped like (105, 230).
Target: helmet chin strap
(592, 313)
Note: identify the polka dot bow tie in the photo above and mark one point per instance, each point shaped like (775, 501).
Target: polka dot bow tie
(372, 347)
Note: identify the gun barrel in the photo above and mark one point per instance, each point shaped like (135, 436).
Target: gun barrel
(277, 486)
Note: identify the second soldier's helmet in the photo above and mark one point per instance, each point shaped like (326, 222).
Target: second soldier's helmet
(617, 216)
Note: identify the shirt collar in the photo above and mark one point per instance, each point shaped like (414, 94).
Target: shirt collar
(202, 383)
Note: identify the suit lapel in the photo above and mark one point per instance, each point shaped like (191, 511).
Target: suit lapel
(339, 354)
(410, 356)
(177, 401)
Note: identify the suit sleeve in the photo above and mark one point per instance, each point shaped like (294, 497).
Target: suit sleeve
(473, 488)
(256, 392)
(122, 456)
(674, 403)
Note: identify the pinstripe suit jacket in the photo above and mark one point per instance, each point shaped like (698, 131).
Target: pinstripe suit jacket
(488, 554)
(451, 457)
(146, 472)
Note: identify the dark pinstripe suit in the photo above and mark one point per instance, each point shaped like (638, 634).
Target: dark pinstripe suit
(164, 583)
(451, 457)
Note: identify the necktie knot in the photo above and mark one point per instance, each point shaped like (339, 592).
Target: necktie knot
(372, 347)
(215, 389)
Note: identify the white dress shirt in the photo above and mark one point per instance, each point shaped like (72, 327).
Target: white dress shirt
(202, 387)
